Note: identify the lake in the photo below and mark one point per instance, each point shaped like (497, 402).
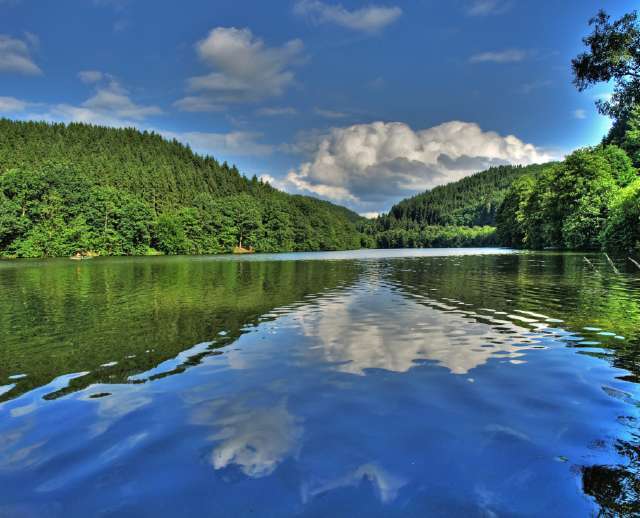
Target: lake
(442, 382)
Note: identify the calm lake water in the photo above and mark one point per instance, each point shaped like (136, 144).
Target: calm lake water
(409, 383)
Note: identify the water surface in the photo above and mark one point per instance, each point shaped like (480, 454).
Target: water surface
(410, 383)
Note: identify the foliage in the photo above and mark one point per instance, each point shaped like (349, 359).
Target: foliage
(461, 213)
(590, 200)
(622, 231)
(613, 55)
(437, 236)
(472, 201)
(625, 133)
(568, 205)
(75, 188)
(509, 217)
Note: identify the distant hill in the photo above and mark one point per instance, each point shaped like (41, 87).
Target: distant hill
(461, 213)
(471, 201)
(79, 188)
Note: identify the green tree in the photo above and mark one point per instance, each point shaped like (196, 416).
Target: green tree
(567, 205)
(121, 222)
(510, 217)
(170, 235)
(585, 186)
(613, 55)
(621, 233)
(630, 140)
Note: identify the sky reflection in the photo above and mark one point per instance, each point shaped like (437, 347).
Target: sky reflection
(375, 394)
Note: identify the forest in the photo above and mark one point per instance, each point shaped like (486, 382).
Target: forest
(461, 213)
(591, 200)
(77, 188)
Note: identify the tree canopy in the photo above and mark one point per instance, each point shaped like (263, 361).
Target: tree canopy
(77, 188)
(613, 54)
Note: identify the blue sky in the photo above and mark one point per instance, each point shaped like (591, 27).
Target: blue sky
(360, 103)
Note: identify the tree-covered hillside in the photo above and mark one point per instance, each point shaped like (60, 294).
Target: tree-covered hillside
(75, 188)
(472, 201)
(591, 200)
(461, 213)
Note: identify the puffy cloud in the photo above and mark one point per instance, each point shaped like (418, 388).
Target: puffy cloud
(580, 114)
(15, 55)
(12, 105)
(485, 7)
(366, 19)
(235, 143)
(372, 165)
(245, 69)
(109, 105)
(114, 99)
(501, 56)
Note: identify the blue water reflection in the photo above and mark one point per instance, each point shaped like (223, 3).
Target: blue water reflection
(378, 396)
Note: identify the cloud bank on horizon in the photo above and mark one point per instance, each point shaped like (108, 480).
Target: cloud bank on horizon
(366, 164)
(355, 102)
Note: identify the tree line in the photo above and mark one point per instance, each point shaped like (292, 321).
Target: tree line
(591, 200)
(457, 214)
(78, 188)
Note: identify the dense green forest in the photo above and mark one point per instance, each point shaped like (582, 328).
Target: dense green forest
(472, 201)
(591, 200)
(77, 188)
(461, 213)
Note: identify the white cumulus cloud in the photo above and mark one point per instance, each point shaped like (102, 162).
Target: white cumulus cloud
(371, 18)
(372, 165)
(113, 98)
(110, 104)
(244, 69)
(15, 55)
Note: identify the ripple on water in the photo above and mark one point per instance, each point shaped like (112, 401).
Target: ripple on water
(414, 386)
